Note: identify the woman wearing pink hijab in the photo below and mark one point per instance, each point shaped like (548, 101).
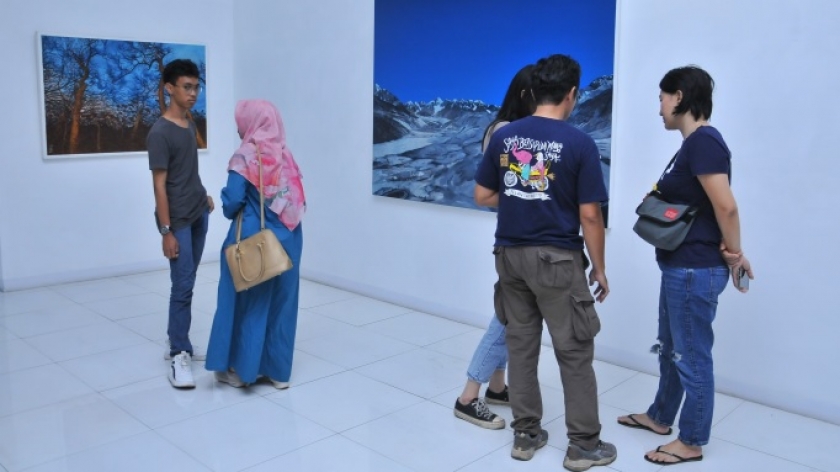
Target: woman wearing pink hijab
(254, 330)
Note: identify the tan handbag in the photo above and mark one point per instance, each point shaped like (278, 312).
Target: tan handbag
(258, 258)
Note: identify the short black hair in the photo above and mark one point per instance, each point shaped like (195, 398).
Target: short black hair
(553, 78)
(178, 68)
(696, 86)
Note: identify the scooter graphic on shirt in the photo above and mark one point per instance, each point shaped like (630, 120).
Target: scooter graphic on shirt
(535, 176)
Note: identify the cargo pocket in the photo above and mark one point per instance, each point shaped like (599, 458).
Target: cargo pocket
(498, 305)
(585, 322)
(555, 269)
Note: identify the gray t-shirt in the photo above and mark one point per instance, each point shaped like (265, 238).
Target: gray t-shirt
(174, 149)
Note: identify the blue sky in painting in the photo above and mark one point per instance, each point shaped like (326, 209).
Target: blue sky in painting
(196, 54)
(470, 49)
(101, 83)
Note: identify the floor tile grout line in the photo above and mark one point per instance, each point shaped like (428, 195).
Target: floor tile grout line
(353, 297)
(289, 452)
(110, 298)
(420, 345)
(484, 456)
(102, 391)
(390, 317)
(182, 450)
(85, 449)
(413, 347)
(259, 397)
(4, 416)
(430, 399)
(28, 311)
(391, 336)
(269, 392)
(215, 409)
(122, 346)
(421, 400)
(103, 321)
(377, 452)
(620, 383)
(741, 403)
(766, 453)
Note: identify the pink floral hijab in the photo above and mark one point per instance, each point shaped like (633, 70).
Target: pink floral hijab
(260, 124)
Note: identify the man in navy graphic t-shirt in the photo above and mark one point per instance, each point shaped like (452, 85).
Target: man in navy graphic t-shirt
(544, 175)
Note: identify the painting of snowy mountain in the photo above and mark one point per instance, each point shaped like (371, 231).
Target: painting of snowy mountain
(440, 75)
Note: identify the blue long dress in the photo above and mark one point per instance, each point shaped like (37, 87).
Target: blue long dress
(254, 330)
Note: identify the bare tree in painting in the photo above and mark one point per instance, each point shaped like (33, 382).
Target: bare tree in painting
(103, 95)
(152, 55)
(57, 99)
(72, 65)
(81, 52)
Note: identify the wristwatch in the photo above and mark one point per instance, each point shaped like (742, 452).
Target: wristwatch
(164, 230)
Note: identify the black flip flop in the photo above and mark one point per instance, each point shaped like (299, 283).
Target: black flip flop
(635, 424)
(679, 460)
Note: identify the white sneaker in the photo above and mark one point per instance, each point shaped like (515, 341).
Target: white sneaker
(279, 385)
(180, 371)
(231, 378)
(196, 356)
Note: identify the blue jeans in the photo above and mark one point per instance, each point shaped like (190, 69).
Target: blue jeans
(182, 273)
(490, 355)
(688, 300)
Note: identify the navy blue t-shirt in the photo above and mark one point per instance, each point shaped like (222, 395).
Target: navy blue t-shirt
(703, 153)
(543, 169)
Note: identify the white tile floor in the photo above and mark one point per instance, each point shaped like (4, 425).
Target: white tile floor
(83, 388)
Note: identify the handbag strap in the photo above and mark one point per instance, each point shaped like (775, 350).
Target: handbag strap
(670, 163)
(262, 202)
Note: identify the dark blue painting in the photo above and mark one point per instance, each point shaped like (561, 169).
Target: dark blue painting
(102, 96)
(441, 69)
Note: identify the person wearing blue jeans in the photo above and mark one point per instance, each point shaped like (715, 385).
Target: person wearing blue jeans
(695, 273)
(488, 365)
(687, 306)
(490, 357)
(183, 269)
(181, 207)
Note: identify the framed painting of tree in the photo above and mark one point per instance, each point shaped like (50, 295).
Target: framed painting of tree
(101, 96)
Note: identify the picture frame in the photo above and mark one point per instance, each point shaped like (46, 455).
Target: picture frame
(99, 97)
(441, 72)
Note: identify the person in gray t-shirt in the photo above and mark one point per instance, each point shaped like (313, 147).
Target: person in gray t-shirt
(182, 208)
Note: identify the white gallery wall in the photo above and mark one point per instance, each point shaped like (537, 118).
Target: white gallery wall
(775, 103)
(74, 219)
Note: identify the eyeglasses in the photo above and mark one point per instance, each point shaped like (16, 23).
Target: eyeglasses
(190, 88)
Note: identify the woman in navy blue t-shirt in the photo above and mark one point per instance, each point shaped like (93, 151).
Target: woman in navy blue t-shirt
(695, 273)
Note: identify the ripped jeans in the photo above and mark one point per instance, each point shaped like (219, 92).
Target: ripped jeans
(688, 300)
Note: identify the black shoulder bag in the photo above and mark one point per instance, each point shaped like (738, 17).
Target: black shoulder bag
(663, 224)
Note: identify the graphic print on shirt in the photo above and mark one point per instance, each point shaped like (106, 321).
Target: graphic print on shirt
(529, 168)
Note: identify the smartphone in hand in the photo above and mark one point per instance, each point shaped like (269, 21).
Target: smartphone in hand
(743, 281)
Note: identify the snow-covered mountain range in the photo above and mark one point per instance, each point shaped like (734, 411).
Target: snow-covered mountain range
(428, 151)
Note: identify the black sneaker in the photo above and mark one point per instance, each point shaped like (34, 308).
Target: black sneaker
(494, 398)
(477, 413)
(525, 445)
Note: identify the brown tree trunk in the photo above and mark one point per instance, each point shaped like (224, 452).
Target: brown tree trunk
(76, 117)
(64, 138)
(202, 144)
(161, 99)
(137, 120)
(98, 137)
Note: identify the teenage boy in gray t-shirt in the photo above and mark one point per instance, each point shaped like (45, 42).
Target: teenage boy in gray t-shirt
(182, 208)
